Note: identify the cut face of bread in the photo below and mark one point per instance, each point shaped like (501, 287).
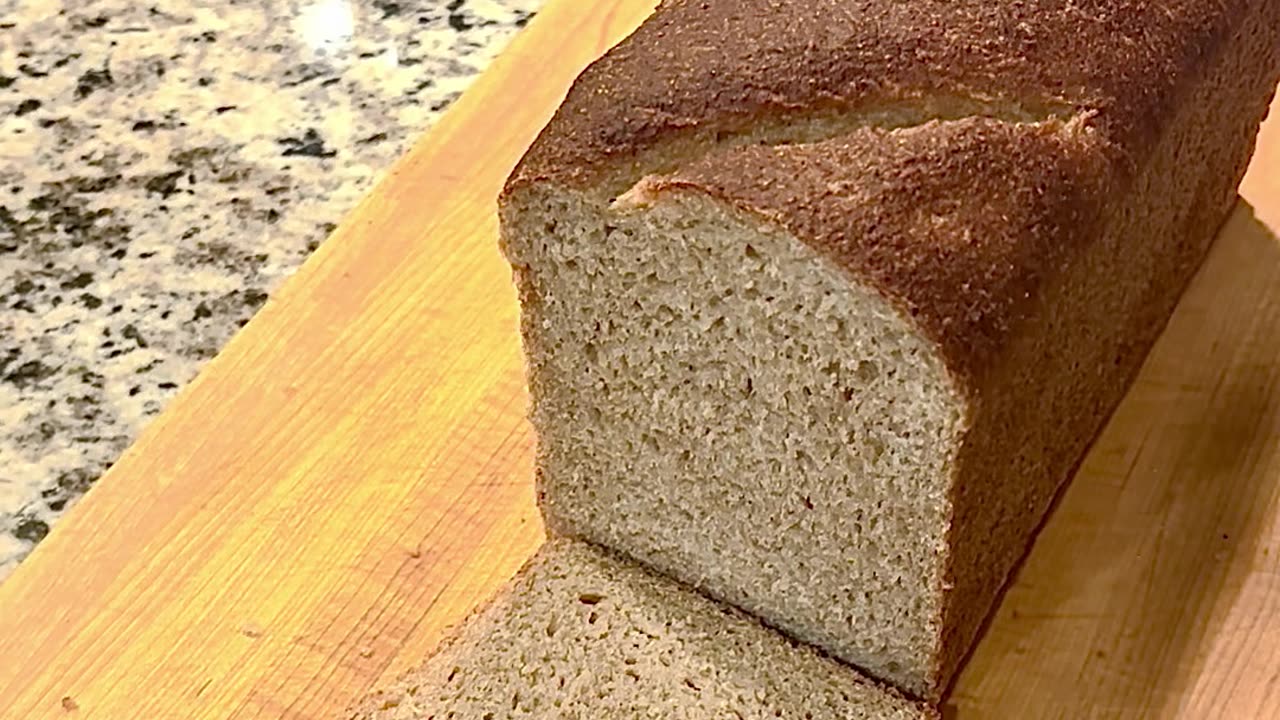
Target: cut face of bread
(718, 401)
(581, 635)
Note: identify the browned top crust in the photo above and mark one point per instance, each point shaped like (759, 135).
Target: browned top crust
(698, 63)
(1059, 101)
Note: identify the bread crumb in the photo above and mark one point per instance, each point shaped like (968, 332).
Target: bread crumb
(69, 704)
(251, 630)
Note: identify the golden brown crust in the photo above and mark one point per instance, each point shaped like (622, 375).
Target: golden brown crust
(720, 63)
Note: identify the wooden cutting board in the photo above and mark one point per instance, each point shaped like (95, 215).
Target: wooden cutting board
(352, 474)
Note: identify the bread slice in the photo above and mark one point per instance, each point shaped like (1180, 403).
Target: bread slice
(581, 634)
(824, 300)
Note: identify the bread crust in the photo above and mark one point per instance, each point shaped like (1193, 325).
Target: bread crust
(719, 64)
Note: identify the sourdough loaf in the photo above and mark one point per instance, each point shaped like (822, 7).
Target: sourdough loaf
(824, 300)
(579, 634)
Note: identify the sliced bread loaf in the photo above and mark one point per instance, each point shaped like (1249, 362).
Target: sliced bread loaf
(580, 634)
(824, 300)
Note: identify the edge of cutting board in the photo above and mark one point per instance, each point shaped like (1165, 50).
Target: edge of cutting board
(352, 474)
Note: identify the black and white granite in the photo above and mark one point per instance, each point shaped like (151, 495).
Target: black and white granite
(163, 166)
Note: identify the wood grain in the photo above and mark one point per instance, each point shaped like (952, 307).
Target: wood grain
(352, 474)
(349, 476)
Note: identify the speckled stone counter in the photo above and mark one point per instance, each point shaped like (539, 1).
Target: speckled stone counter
(163, 166)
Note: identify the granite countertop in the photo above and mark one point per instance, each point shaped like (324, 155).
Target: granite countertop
(163, 166)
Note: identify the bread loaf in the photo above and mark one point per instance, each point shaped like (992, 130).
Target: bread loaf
(578, 634)
(824, 300)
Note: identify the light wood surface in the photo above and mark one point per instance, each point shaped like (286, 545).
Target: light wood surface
(1154, 589)
(352, 474)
